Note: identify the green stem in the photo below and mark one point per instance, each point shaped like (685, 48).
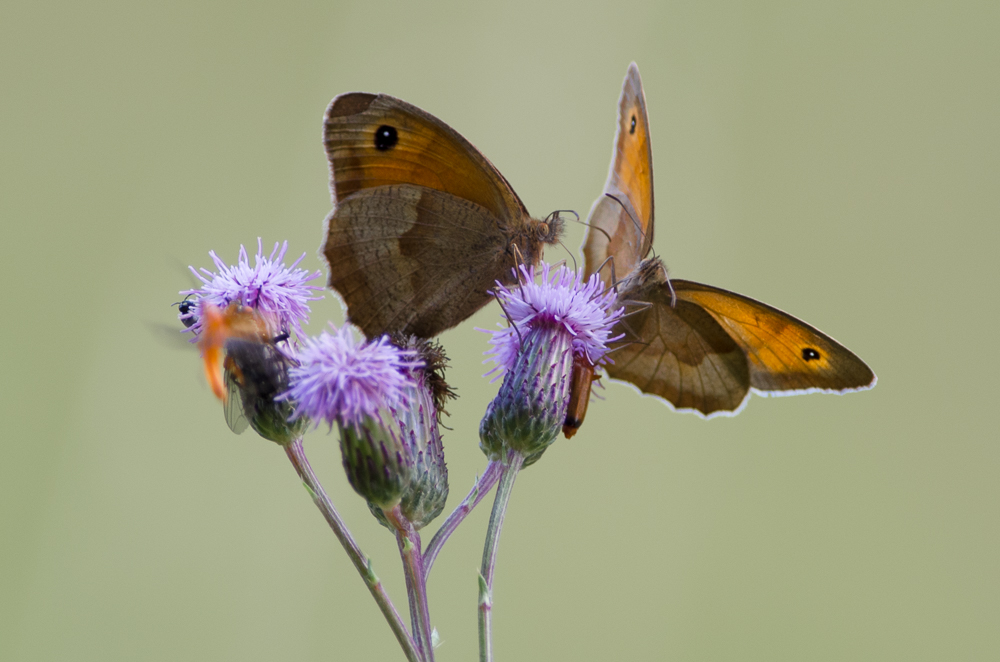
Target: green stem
(299, 460)
(504, 488)
(472, 499)
(416, 582)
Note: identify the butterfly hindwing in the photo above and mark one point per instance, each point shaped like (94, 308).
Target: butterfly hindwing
(412, 259)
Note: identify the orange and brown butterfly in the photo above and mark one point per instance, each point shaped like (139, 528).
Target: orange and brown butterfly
(700, 348)
(423, 224)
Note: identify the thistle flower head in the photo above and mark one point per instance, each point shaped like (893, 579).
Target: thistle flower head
(552, 321)
(277, 291)
(369, 390)
(341, 379)
(562, 301)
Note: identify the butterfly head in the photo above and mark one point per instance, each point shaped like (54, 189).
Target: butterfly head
(550, 229)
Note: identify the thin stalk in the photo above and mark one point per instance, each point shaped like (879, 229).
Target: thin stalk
(299, 460)
(416, 582)
(504, 488)
(472, 499)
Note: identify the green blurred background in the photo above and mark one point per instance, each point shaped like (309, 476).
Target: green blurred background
(840, 161)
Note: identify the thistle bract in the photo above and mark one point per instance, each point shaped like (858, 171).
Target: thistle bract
(417, 416)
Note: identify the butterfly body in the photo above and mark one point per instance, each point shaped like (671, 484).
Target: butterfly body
(423, 224)
(698, 347)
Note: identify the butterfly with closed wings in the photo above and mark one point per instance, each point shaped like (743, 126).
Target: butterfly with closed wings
(423, 224)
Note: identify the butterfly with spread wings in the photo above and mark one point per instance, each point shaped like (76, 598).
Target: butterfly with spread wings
(700, 348)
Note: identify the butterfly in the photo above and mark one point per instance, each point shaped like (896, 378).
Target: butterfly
(701, 348)
(423, 224)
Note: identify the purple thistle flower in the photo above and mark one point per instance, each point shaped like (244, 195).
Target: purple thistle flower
(552, 321)
(379, 398)
(280, 293)
(562, 300)
(343, 380)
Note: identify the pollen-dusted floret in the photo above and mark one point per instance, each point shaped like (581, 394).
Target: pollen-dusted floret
(277, 291)
(552, 321)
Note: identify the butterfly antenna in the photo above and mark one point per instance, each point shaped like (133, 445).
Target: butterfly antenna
(609, 260)
(593, 227)
(554, 216)
(520, 338)
(570, 253)
(635, 222)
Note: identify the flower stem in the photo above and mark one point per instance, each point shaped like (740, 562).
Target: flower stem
(506, 485)
(472, 499)
(301, 463)
(416, 581)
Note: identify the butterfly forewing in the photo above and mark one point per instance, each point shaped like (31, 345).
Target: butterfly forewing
(706, 351)
(784, 353)
(376, 140)
(622, 226)
(423, 224)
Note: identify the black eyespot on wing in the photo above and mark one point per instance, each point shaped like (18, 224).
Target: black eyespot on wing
(632, 128)
(809, 354)
(386, 137)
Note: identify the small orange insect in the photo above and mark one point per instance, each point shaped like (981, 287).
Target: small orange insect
(579, 394)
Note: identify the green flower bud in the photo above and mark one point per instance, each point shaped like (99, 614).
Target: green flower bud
(375, 459)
